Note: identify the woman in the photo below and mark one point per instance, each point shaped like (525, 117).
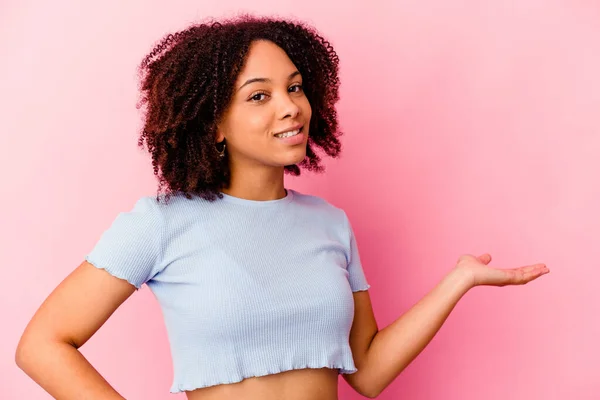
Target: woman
(261, 287)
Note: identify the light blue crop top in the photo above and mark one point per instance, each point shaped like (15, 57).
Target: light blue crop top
(247, 288)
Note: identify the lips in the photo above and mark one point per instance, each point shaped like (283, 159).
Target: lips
(294, 140)
(293, 128)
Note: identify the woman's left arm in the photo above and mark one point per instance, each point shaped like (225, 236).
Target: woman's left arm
(394, 347)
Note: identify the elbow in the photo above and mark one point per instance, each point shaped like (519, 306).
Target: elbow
(28, 352)
(368, 391)
(22, 354)
(363, 384)
(25, 354)
(371, 393)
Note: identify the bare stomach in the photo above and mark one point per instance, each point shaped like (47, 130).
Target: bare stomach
(300, 384)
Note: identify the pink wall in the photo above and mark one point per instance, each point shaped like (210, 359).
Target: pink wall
(470, 127)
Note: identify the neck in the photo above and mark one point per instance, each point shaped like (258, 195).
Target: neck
(259, 185)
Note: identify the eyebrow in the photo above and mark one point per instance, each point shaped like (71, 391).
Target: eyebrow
(252, 80)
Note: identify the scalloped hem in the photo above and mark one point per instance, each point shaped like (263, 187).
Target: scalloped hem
(113, 273)
(362, 289)
(179, 388)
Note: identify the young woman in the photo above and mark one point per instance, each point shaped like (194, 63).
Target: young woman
(261, 287)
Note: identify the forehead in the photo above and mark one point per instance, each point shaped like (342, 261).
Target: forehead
(266, 60)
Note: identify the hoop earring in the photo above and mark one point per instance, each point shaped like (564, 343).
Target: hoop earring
(222, 152)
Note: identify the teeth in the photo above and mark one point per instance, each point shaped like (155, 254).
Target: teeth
(288, 134)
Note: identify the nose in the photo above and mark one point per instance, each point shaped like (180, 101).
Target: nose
(288, 108)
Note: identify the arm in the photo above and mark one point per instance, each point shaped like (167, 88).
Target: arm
(72, 313)
(393, 348)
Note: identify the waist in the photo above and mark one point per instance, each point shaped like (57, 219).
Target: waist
(299, 384)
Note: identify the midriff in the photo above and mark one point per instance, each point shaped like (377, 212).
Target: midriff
(300, 384)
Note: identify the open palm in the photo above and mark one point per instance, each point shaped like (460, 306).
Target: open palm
(482, 274)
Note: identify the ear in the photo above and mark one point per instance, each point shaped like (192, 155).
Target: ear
(219, 137)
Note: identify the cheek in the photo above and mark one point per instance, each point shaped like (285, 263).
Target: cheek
(248, 123)
(306, 108)
(256, 120)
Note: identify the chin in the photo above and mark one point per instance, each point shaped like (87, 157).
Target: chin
(293, 160)
(301, 156)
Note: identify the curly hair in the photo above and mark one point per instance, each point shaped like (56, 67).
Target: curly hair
(186, 84)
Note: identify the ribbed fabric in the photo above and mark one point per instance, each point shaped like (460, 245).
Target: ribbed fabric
(247, 288)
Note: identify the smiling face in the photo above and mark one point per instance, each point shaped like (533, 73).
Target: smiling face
(267, 100)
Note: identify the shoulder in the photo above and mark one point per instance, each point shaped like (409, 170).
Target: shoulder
(168, 208)
(141, 219)
(154, 214)
(310, 199)
(322, 207)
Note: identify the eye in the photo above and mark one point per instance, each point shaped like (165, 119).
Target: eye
(296, 88)
(257, 97)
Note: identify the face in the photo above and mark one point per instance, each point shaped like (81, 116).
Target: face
(268, 100)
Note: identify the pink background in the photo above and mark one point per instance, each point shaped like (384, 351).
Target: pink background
(471, 126)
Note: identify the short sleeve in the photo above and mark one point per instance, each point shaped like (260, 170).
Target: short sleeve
(356, 274)
(130, 248)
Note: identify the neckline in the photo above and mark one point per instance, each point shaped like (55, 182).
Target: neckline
(259, 203)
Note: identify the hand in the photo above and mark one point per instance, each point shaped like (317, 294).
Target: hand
(480, 273)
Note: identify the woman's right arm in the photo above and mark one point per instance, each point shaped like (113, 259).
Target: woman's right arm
(72, 313)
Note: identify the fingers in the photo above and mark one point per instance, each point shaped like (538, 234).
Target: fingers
(534, 267)
(528, 273)
(485, 258)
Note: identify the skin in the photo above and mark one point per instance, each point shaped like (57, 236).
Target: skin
(268, 99)
(84, 300)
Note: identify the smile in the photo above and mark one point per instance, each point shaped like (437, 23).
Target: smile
(288, 134)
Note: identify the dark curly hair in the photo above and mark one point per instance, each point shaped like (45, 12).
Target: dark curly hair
(186, 83)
